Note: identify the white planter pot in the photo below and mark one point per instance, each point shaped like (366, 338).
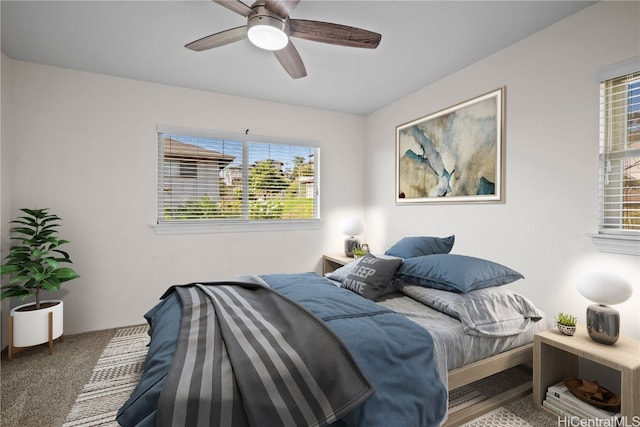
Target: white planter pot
(32, 327)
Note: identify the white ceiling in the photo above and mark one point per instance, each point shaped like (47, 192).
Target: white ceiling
(422, 41)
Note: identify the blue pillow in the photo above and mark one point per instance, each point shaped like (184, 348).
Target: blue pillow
(410, 247)
(455, 273)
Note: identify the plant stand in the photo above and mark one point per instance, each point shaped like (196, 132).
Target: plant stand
(35, 334)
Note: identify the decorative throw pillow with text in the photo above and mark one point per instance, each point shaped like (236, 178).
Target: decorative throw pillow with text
(371, 276)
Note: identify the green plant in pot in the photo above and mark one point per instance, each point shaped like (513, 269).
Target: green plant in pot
(566, 323)
(34, 264)
(359, 252)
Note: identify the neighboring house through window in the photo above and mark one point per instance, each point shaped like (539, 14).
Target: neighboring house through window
(214, 183)
(619, 188)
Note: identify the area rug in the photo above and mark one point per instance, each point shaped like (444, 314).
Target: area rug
(120, 366)
(113, 379)
(500, 417)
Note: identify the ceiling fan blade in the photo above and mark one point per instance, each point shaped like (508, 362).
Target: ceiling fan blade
(218, 39)
(290, 59)
(236, 5)
(326, 32)
(282, 8)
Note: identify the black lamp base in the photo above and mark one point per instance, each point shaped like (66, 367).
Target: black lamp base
(603, 324)
(350, 244)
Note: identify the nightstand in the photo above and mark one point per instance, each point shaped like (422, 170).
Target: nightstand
(555, 357)
(332, 262)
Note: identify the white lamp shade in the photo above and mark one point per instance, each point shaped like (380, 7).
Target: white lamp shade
(604, 287)
(351, 227)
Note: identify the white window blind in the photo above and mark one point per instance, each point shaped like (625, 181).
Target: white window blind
(620, 155)
(204, 179)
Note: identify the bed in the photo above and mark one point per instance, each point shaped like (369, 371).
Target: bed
(389, 340)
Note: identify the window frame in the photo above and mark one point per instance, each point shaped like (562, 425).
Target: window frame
(613, 240)
(233, 225)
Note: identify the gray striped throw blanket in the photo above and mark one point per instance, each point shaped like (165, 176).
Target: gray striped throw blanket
(247, 356)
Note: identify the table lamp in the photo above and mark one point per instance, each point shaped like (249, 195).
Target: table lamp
(351, 227)
(604, 287)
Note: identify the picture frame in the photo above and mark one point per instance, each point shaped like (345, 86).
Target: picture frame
(454, 155)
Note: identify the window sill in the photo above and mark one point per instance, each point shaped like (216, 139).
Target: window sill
(234, 227)
(616, 243)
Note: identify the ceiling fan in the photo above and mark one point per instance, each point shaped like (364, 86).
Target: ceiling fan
(269, 27)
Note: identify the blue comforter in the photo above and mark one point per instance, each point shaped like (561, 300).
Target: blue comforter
(395, 354)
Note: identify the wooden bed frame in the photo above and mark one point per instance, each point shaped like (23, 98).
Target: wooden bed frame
(482, 369)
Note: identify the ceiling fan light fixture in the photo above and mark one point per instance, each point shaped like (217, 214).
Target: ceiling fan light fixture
(267, 32)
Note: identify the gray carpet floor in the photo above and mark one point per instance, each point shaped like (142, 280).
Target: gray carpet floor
(39, 390)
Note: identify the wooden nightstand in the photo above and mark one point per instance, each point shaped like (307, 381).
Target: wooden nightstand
(555, 357)
(332, 262)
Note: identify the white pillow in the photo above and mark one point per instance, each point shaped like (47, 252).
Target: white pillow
(495, 311)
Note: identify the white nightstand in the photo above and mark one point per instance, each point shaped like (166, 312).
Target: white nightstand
(332, 262)
(555, 357)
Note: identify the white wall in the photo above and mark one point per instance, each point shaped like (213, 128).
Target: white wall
(5, 92)
(4, 305)
(85, 146)
(552, 98)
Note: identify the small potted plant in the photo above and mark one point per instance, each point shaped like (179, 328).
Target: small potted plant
(359, 253)
(33, 263)
(566, 323)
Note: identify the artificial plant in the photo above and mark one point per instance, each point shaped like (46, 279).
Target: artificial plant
(566, 319)
(34, 261)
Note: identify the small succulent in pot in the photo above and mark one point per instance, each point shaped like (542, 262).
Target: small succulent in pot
(359, 252)
(566, 323)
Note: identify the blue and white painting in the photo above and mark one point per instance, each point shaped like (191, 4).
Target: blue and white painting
(454, 155)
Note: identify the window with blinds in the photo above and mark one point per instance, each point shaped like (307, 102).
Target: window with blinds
(203, 179)
(620, 155)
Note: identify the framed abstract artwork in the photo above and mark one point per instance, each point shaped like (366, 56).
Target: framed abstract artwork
(453, 155)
